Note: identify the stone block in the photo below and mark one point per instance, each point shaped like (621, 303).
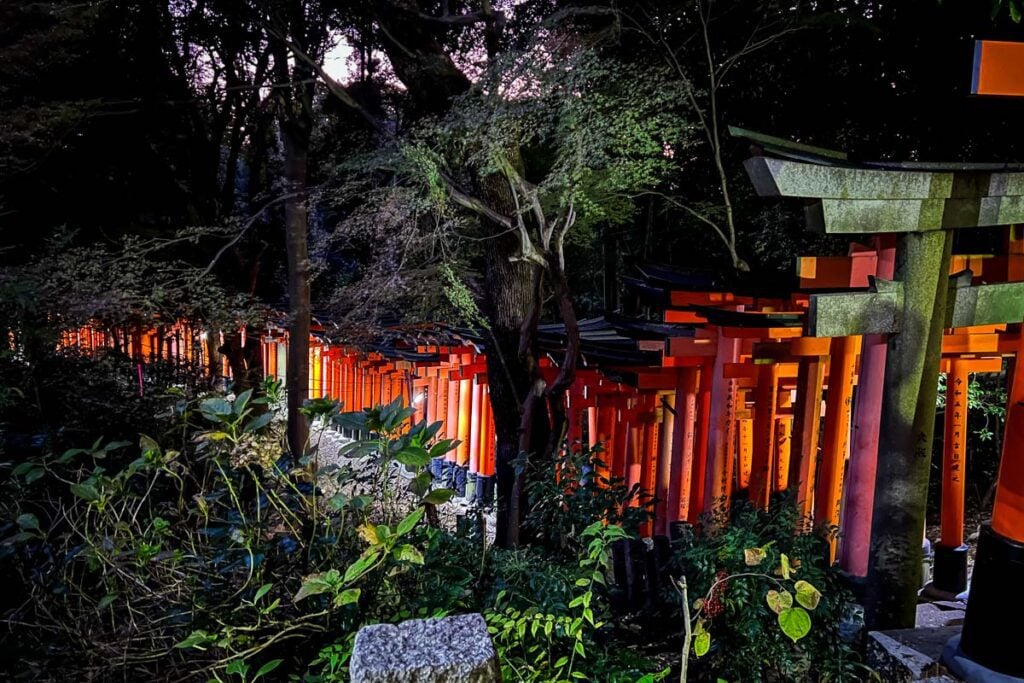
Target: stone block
(454, 649)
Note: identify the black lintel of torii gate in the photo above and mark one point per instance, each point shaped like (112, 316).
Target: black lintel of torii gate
(923, 204)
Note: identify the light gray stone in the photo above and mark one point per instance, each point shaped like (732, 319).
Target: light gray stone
(454, 649)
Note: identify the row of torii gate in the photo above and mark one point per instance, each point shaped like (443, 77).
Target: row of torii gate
(829, 390)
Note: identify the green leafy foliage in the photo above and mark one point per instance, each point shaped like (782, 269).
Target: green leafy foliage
(770, 606)
(581, 493)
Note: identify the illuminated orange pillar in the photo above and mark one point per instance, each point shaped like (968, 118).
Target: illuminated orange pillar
(806, 431)
(954, 460)
(996, 598)
(476, 420)
(649, 452)
(765, 407)
(451, 426)
(488, 443)
(783, 445)
(665, 459)
(1008, 511)
(464, 417)
(683, 442)
(633, 457)
(745, 455)
(721, 451)
(700, 444)
(836, 442)
(592, 439)
(431, 399)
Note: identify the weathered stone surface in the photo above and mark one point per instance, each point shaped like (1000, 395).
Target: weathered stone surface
(845, 314)
(455, 649)
(987, 305)
(907, 654)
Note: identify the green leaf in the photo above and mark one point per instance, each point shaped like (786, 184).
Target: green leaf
(439, 496)
(239, 667)
(28, 522)
(347, 597)
(701, 644)
(257, 423)
(795, 623)
(85, 491)
(779, 602)
(413, 456)
(34, 474)
(148, 443)
(443, 446)
(807, 595)
(106, 600)
(241, 401)
(267, 668)
(408, 553)
(1015, 13)
(66, 456)
(410, 521)
(421, 483)
(215, 409)
(313, 584)
(263, 590)
(363, 564)
(198, 639)
(786, 568)
(754, 556)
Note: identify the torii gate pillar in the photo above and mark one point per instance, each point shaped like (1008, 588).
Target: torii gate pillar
(924, 205)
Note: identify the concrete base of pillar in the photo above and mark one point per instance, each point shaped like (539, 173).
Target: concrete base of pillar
(967, 669)
(484, 490)
(447, 474)
(996, 596)
(949, 573)
(471, 484)
(436, 467)
(459, 474)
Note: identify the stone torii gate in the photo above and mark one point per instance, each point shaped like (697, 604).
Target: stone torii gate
(923, 204)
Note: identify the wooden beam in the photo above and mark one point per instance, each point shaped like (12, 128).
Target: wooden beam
(998, 68)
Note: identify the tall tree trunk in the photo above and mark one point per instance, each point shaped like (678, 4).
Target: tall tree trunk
(509, 294)
(295, 135)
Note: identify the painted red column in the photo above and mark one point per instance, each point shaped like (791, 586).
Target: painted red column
(867, 421)
(996, 597)
(838, 415)
(722, 425)
(592, 439)
(700, 443)
(486, 434)
(683, 442)
(665, 460)
(465, 408)
(633, 457)
(806, 431)
(474, 427)
(765, 408)
(452, 425)
(954, 455)
(1008, 510)
(783, 450)
(745, 456)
